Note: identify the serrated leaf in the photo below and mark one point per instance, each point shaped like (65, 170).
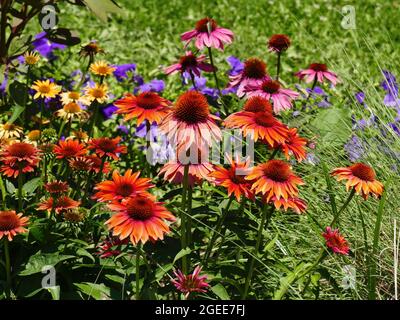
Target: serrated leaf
(36, 262)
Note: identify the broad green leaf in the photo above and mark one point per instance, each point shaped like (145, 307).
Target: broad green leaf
(17, 110)
(85, 253)
(161, 271)
(101, 8)
(10, 187)
(115, 278)
(221, 292)
(31, 185)
(39, 260)
(55, 292)
(181, 254)
(94, 290)
(19, 93)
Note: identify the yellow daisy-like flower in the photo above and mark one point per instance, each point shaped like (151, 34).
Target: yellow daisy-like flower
(10, 130)
(99, 93)
(70, 111)
(31, 58)
(34, 135)
(73, 96)
(45, 89)
(101, 68)
(79, 135)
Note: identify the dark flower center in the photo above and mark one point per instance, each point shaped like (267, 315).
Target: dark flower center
(277, 170)
(363, 172)
(8, 220)
(206, 25)
(188, 61)
(125, 189)
(270, 86)
(279, 42)
(257, 104)
(255, 68)
(21, 150)
(140, 208)
(319, 67)
(106, 145)
(148, 100)
(192, 107)
(265, 119)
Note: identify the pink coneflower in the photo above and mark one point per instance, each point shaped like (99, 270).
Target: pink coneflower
(254, 73)
(190, 122)
(190, 283)
(191, 64)
(207, 34)
(335, 241)
(272, 90)
(317, 72)
(278, 43)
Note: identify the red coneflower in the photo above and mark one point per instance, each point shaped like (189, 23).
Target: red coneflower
(208, 34)
(294, 145)
(317, 72)
(362, 178)
(108, 248)
(254, 73)
(12, 224)
(106, 147)
(272, 90)
(145, 106)
(233, 178)
(68, 149)
(19, 157)
(139, 218)
(190, 283)
(61, 203)
(257, 104)
(335, 241)
(191, 64)
(259, 125)
(190, 122)
(97, 163)
(275, 178)
(296, 204)
(81, 163)
(56, 187)
(279, 43)
(122, 187)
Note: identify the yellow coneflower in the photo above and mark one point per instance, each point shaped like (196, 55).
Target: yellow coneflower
(72, 111)
(45, 89)
(79, 135)
(31, 58)
(33, 137)
(72, 96)
(10, 130)
(97, 93)
(101, 68)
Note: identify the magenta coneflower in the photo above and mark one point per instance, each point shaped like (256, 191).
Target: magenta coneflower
(254, 73)
(190, 283)
(272, 90)
(191, 64)
(208, 34)
(278, 43)
(317, 72)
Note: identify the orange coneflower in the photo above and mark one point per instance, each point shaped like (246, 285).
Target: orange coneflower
(233, 178)
(190, 122)
(56, 187)
(81, 164)
(275, 178)
(121, 187)
(294, 145)
(19, 157)
(68, 149)
(259, 125)
(45, 89)
(296, 204)
(362, 178)
(107, 147)
(12, 224)
(97, 164)
(61, 204)
(139, 218)
(145, 106)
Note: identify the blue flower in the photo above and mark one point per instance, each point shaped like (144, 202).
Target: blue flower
(45, 47)
(355, 148)
(392, 89)
(154, 85)
(121, 71)
(108, 111)
(237, 66)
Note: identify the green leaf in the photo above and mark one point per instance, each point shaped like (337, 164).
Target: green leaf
(19, 93)
(221, 292)
(95, 290)
(39, 260)
(333, 125)
(181, 254)
(101, 8)
(2, 190)
(115, 278)
(55, 292)
(64, 36)
(10, 187)
(31, 185)
(85, 253)
(161, 271)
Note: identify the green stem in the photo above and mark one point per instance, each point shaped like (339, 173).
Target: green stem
(94, 118)
(312, 89)
(20, 185)
(330, 189)
(266, 217)
(216, 79)
(336, 218)
(217, 230)
(8, 268)
(61, 129)
(278, 66)
(274, 153)
(183, 217)
(138, 271)
(189, 217)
